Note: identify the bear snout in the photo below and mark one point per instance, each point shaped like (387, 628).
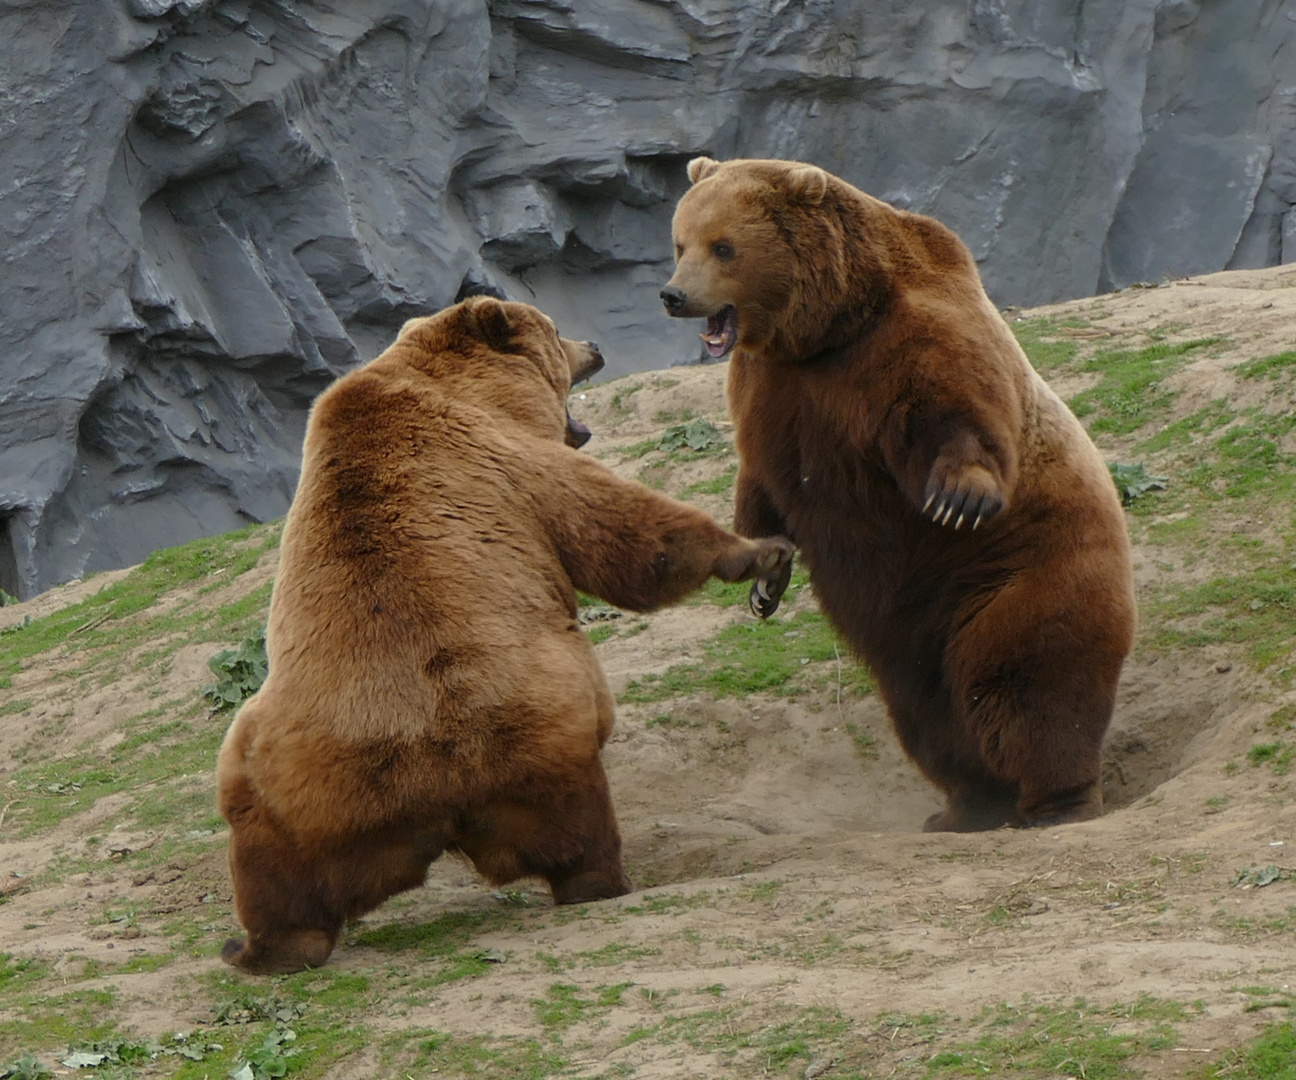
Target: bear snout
(675, 299)
(595, 363)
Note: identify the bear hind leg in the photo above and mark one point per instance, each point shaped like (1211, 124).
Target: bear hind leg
(990, 804)
(1047, 746)
(281, 904)
(569, 838)
(294, 907)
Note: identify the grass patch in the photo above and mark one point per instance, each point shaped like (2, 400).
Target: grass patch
(620, 402)
(1130, 392)
(1272, 1056)
(215, 561)
(428, 1052)
(1267, 367)
(717, 485)
(564, 1005)
(864, 743)
(1277, 755)
(147, 764)
(1252, 609)
(750, 658)
(42, 1023)
(1038, 339)
(1188, 429)
(1049, 1040)
(443, 936)
(812, 1034)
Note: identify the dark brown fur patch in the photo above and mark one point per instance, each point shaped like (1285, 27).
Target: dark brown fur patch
(960, 528)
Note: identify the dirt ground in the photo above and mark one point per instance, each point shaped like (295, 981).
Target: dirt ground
(778, 861)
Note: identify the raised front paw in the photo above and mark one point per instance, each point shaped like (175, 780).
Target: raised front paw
(966, 496)
(774, 572)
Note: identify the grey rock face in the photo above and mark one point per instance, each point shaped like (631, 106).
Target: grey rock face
(211, 208)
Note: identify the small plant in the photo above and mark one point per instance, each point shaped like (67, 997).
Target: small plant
(240, 673)
(26, 1067)
(696, 435)
(7, 598)
(271, 1058)
(1134, 481)
(621, 399)
(1278, 755)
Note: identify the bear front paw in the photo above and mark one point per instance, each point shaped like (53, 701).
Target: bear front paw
(772, 581)
(970, 496)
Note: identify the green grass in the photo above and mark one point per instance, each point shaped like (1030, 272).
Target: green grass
(1271, 1056)
(1130, 393)
(565, 1005)
(427, 1052)
(775, 1048)
(752, 658)
(1037, 338)
(1267, 367)
(37, 1022)
(96, 622)
(1277, 755)
(1051, 1040)
(717, 485)
(1252, 609)
(442, 936)
(620, 401)
(1189, 429)
(145, 764)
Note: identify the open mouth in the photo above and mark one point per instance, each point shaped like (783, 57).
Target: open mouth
(722, 331)
(577, 433)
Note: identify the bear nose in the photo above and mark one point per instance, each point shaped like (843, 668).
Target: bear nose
(674, 298)
(596, 358)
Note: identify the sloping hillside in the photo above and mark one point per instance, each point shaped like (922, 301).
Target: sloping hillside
(792, 920)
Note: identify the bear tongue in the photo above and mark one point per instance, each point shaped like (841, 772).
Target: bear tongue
(721, 331)
(577, 433)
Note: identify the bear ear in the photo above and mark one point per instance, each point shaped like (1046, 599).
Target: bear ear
(700, 168)
(493, 325)
(808, 184)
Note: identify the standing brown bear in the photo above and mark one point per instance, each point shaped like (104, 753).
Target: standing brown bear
(429, 687)
(960, 528)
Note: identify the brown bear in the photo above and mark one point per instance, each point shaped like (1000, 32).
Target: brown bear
(429, 685)
(961, 530)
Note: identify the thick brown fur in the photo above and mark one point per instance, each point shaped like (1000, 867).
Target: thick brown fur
(429, 686)
(961, 530)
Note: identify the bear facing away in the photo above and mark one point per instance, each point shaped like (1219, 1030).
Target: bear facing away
(961, 530)
(429, 686)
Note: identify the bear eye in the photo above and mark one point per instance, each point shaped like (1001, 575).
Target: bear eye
(722, 250)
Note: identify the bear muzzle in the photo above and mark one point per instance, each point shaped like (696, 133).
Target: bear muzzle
(675, 299)
(578, 434)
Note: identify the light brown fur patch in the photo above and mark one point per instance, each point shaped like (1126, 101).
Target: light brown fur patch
(429, 684)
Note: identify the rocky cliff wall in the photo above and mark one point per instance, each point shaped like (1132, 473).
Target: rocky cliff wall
(210, 208)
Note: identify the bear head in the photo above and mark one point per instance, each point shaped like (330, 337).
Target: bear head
(510, 357)
(759, 250)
